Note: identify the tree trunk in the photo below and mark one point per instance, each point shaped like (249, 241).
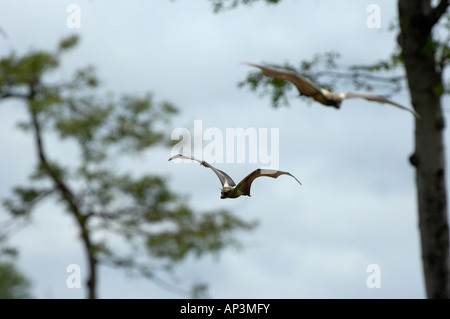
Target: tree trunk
(69, 198)
(425, 85)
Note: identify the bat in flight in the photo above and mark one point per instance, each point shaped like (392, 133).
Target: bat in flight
(229, 188)
(307, 88)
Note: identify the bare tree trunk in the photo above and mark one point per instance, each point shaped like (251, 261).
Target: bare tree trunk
(425, 85)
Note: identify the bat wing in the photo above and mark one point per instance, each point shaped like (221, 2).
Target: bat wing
(244, 185)
(225, 180)
(375, 98)
(303, 84)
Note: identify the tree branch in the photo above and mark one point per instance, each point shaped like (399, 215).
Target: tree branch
(10, 94)
(371, 77)
(68, 196)
(438, 11)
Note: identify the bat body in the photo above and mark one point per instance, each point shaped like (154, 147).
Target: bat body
(307, 88)
(229, 187)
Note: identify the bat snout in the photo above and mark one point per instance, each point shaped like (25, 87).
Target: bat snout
(334, 103)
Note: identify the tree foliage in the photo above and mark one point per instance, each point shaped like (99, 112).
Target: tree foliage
(13, 284)
(136, 211)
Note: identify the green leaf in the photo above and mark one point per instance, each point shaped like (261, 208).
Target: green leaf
(68, 43)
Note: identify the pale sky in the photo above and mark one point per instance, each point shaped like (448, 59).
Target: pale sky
(357, 204)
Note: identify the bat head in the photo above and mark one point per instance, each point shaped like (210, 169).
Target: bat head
(334, 103)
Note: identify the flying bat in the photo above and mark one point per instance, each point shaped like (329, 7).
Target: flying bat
(308, 88)
(229, 188)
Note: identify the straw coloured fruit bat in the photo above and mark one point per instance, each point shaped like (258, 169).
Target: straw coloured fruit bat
(229, 188)
(307, 88)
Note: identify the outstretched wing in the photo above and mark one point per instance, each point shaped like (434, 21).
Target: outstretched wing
(303, 84)
(225, 180)
(244, 185)
(375, 98)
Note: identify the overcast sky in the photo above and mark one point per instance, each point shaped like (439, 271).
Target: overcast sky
(357, 204)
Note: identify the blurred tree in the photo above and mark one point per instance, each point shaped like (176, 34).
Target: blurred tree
(139, 214)
(422, 54)
(13, 284)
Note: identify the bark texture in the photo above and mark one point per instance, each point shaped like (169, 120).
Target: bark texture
(417, 19)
